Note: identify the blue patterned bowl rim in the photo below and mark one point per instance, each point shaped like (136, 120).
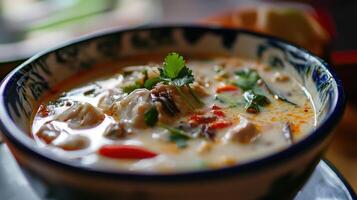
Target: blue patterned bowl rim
(16, 136)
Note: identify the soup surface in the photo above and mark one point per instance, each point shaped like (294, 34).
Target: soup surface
(157, 114)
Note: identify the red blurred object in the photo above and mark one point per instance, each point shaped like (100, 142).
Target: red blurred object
(125, 152)
(227, 88)
(220, 124)
(323, 16)
(218, 113)
(344, 57)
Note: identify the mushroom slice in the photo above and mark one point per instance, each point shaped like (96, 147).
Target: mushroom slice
(116, 131)
(287, 134)
(82, 115)
(245, 132)
(131, 109)
(74, 143)
(111, 96)
(48, 132)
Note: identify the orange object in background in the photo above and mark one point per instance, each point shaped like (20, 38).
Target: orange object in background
(299, 25)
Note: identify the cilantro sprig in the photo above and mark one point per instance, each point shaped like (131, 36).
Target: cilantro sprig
(151, 116)
(137, 84)
(173, 65)
(176, 73)
(247, 79)
(129, 88)
(177, 136)
(254, 101)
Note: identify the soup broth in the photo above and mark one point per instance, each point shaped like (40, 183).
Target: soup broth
(157, 114)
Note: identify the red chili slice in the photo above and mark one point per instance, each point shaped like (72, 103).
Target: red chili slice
(202, 119)
(220, 124)
(218, 113)
(125, 152)
(227, 88)
(215, 107)
(43, 111)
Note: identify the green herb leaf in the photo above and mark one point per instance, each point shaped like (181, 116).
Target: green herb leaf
(145, 73)
(185, 77)
(180, 140)
(176, 73)
(178, 136)
(173, 64)
(174, 130)
(131, 87)
(151, 116)
(150, 83)
(181, 78)
(182, 81)
(247, 79)
(253, 101)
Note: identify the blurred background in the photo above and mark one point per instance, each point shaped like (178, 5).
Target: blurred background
(325, 27)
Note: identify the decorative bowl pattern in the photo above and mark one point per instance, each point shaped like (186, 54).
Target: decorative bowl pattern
(277, 176)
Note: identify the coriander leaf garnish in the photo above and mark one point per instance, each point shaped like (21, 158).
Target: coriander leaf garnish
(129, 88)
(180, 140)
(150, 83)
(185, 77)
(173, 65)
(176, 73)
(247, 79)
(176, 135)
(151, 116)
(254, 101)
(137, 84)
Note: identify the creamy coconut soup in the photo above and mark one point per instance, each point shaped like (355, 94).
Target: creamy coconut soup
(159, 114)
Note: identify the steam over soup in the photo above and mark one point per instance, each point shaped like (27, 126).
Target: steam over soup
(174, 116)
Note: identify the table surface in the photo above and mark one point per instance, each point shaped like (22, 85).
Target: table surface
(343, 151)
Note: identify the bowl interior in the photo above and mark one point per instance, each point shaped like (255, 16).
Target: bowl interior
(25, 85)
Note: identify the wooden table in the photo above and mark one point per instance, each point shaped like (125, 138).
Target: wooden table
(343, 150)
